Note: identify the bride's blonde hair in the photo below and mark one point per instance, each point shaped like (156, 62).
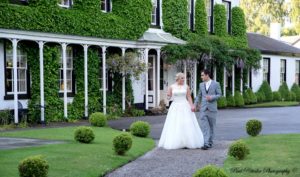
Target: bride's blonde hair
(179, 75)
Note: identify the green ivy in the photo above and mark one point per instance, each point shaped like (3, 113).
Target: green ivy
(200, 18)
(238, 24)
(175, 17)
(220, 20)
(128, 20)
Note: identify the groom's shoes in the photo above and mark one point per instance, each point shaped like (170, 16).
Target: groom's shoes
(205, 147)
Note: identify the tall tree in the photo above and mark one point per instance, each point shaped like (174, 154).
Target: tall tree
(295, 14)
(260, 13)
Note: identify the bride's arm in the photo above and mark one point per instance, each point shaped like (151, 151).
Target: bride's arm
(189, 97)
(169, 93)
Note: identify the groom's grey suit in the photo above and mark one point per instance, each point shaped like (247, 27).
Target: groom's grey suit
(208, 110)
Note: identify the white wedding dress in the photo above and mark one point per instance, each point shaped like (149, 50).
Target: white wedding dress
(181, 129)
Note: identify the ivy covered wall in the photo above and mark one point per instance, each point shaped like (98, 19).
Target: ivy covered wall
(201, 18)
(128, 20)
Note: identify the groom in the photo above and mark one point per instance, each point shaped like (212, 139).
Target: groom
(209, 93)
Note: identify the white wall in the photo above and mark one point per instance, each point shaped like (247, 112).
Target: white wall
(257, 76)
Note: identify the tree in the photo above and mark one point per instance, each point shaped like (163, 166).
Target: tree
(295, 14)
(260, 13)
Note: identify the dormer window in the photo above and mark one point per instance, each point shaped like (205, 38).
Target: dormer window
(155, 16)
(191, 12)
(65, 3)
(227, 5)
(105, 5)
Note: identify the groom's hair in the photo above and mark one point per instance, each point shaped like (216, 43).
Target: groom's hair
(206, 72)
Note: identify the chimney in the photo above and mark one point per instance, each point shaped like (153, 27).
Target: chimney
(275, 31)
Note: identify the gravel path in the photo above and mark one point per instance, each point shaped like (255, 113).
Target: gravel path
(173, 163)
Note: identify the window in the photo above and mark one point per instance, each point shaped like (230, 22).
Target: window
(297, 76)
(266, 69)
(106, 5)
(65, 3)
(20, 2)
(69, 67)
(191, 14)
(227, 5)
(282, 71)
(209, 11)
(155, 17)
(161, 79)
(22, 71)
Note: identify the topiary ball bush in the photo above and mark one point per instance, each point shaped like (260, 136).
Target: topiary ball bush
(238, 99)
(253, 127)
(238, 150)
(122, 143)
(222, 103)
(98, 119)
(84, 134)
(230, 101)
(277, 96)
(210, 171)
(33, 166)
(140, 128)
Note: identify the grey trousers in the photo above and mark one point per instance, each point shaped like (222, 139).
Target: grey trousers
(207, 124)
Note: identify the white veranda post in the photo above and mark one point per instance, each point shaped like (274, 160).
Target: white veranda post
(104, 78)
(195, 80)
(64, 57)
(158, 77)
(185, 74)
(233, 79)
(146, 78)
(15, 63)
(123, 82)
(224, 81)
(241, 89)
(42, 104)
(85, 48)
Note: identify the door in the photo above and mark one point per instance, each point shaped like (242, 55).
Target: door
(151, 81)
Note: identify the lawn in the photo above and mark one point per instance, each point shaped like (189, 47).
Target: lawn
(273, 104)
(72, 159)
(270, 156)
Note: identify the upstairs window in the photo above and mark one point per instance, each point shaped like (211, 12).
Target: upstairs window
(155, 17)
(105, 5)
(227, 5)
(191, 12)
(209, 12)
(65, 3)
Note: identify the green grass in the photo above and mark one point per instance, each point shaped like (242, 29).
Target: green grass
(277, 152)
(72, 159)
(273, 104)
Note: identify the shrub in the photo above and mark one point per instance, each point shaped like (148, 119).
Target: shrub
(230, 101)
(222, 103)
(33, 166)
(277, 96)
(292, 96)
(122, 143)
(84, 134)
(238, 150)
(210, 171)
(284, 92)
(140, 128)
(252, 96)
(266, 89)
(238, 99)
(246, 97)
(260, 97)
(98, 119)
(296, 89)
(253, 127)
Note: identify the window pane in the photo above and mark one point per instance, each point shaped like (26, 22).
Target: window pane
(154, 14)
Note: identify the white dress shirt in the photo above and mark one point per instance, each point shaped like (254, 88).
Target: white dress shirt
(207, 84)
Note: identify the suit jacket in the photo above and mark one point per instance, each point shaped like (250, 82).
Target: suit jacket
(214, 91)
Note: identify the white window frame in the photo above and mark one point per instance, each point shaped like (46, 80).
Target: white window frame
(69, 68)
(65, 3)
(21, 56)
(227, 8)
(297, 72)
(154, 12)
(266, 63)
(104, 2)
(209, 14)
(282, 70)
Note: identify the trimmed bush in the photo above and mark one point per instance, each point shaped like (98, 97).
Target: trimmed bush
(230, 101)
(84, 134)
(253, 127)
(277, 96)
(284, 92)
(246, 97)
(140, 128)
(260, 97)
(238, 150)
(34, 166)
(98, 119)
(296, 89)
(252, 96)
(222, 103)
(292, 96)
(210, 171)
(122, 143)
(238, 99)
(266, 89)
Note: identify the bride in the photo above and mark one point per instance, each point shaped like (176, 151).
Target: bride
(181, 129)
